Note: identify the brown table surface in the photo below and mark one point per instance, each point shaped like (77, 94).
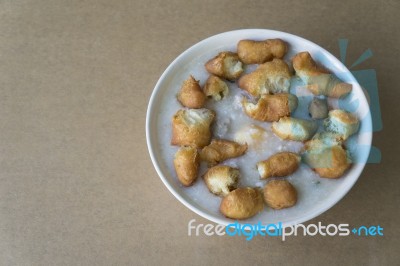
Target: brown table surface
(77, 186)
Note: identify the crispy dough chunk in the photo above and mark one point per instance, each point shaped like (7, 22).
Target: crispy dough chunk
(221, 150)
(191, 95)
(221, 179)
(258, 52)
(280, 164)
(242, 203)
(327, 161)
(186, 163)
(289, 128)
(225, 65)
(271, 107)
(216, 88)
(280, 194)
(319, 81)
(192, 127)
(323, 140)
(271, 77)
(342, 123)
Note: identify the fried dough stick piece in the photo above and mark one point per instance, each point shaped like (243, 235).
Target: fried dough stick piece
(289, 128)
(221, 150)
(215, 88)
(225, 65)
(271, 108)
(279, 164)
(192, 127)
(280, 194)
(269, 78)
(221, 179)
(242, 203)
(319, 81)
(186, 163)
(191, 94)
(258, 52)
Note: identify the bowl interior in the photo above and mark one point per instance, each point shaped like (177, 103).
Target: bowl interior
(163, 105)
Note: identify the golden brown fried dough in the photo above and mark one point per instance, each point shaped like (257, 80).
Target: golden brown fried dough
(225, 65)
(221, 150)
(216, 88)
(258, 52)
(319, 81)
(289, 128)
(271, 107)
(329, 162)
(242, 203)
(280, 164)
(191, 95)
(186, 163)
(221, 179)
(323, 140)
(271, 77)
(280, 194)
(192, 127)
(342, 122)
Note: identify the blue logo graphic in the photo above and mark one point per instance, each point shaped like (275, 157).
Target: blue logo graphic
(368, 231)
(367, 79)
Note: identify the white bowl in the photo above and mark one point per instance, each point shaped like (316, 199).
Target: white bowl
(157, 128)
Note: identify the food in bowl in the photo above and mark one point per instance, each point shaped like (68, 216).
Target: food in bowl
(258, 52)
(268, 86)
(318, 79)
(279, 165)
(242, 203)
(280, 194)
(191, 95)
(191, 127)
(216, 88)
(315, 194)
(290, 128)
(270, 107)
(220, 150)
(269, 78)
(225, 65)
(221, 179)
